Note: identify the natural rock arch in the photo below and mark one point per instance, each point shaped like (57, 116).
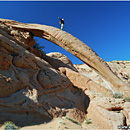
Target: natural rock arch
(75, 47)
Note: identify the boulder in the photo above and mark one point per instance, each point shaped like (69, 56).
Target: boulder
(107, 113)
(58, 60)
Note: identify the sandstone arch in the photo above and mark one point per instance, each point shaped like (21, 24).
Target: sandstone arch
(74, 46)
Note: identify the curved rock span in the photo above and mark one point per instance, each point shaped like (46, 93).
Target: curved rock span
(36, 88)
(74, 46)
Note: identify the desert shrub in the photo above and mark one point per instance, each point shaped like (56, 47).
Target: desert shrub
(124, 66)
(38, 47)
(118, 95)
(88, 121)
(72, 120)
(9, 125)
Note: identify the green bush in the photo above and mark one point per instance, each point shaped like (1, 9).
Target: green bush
(9, 125)
(38, 47)
(118, 95)
(124, 66)
(88, 121)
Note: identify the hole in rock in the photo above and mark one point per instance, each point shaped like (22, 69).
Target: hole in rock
(117, 110)
(51, 47)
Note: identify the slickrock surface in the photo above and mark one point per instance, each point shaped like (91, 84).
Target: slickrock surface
(31, 90)
(74, 46)
(46, 91)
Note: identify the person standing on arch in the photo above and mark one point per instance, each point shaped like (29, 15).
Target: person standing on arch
(61, 23)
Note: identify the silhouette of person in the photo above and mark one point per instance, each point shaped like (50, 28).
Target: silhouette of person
(61, 23)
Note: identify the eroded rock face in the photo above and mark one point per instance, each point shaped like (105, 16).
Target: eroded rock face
(36, 88)
(121, 69)
(31, 90)
(108, 113)
(74, 46)
(5, 61)
(85, 83)
(105, 113)
(58, 60)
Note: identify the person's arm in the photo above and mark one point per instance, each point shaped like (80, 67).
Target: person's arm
(59, 18)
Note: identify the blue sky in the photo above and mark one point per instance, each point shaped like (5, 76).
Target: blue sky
(103, 26)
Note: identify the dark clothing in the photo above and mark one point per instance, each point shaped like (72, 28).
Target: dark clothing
(61, 21)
